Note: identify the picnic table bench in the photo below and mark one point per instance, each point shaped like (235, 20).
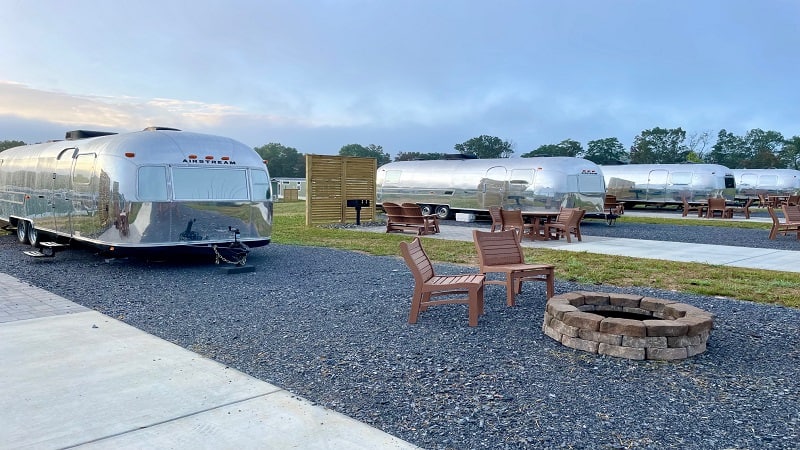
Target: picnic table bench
(409, 217)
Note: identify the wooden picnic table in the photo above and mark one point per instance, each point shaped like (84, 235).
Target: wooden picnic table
(537, 218)
(777, 200)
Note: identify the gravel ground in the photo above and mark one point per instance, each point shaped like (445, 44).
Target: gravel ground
(331, 326)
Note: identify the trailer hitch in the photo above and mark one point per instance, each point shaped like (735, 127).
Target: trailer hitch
(235, 253)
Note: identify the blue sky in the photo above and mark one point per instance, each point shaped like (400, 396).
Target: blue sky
(416, 75)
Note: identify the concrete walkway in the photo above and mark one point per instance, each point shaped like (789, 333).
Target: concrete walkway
(753, 258)
(72, 377)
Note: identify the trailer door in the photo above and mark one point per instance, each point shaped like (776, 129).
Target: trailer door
(657, 185)
(493, 187)
(62, 204)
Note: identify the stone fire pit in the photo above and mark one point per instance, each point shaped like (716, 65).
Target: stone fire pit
(627, 326)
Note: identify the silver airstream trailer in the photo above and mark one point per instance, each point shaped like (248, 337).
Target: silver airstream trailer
(473, 185)
(160, 189)
(751, 182)
(668, 184)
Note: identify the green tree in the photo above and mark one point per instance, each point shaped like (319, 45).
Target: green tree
(790, 153)
(5, 145)
(764, 159)
(567, 147)
(283, 161)
(606, 151)
(729, 150)
(486, 147)
(697, 144)
(763, 149)
(418, 156)
(693, 157)
(659, 146)
(370, 151)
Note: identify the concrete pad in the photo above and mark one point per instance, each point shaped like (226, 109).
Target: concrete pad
(280, 420)
(699, 253)
(81, 378)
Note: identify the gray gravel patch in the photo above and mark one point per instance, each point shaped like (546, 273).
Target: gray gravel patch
(331, 326)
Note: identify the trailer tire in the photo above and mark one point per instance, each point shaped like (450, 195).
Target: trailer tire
(22, 231)
(443, 211)
(33, 235)
(426, 210)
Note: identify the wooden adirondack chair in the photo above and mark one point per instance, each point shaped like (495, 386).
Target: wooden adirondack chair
(566, 224)
(428, 285)
(611, 205)
(718, 205)
(791, 213)
(779, 227)
(701, 208)
(501, 252)
(744, 209)
(513, 220)
(409, 217)
(497, 218)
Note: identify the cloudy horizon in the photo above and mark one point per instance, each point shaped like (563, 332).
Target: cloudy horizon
(407, 76)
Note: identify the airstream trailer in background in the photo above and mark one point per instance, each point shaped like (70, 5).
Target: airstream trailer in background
(473, 185)
(668, 184)
(751, 182)
(157, 189)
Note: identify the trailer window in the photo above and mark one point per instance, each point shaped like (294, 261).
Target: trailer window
(590, 183)
(749, 180)
(393, 176)
(261, 185)
(681, 178)
(522, 176)
(768, 180)
(198, 183)
(152, 184)
(82, 172)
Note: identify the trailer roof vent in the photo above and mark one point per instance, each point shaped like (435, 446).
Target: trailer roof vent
(160, 129)
(460, 156)
(84, 134)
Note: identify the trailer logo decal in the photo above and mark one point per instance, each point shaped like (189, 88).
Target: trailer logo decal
(208, 161)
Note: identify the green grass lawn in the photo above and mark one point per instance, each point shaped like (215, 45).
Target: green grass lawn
(763, 286)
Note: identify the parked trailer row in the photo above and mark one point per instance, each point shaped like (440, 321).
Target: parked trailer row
(159, 189)
(669, 184)
(444, 187)
(751, 182)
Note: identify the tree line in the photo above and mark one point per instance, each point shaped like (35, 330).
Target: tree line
(756, 149)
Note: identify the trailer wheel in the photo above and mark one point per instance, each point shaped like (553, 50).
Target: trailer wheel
(33, 235)
(22, 231)
(426, 209)
(443, 211)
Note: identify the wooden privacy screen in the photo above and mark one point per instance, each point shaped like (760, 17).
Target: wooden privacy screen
(331, 181)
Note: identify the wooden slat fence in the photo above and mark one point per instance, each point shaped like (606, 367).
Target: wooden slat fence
(331, 181)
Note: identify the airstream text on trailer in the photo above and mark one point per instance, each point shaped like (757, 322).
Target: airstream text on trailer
(473, 185)
(668, 184)
(159, 189)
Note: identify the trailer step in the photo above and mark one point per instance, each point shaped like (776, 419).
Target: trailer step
(45, 249)
(51, 244)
